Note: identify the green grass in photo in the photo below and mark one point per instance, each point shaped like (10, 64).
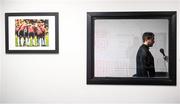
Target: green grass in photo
(31, 41)
(47, 40)
(16, 41)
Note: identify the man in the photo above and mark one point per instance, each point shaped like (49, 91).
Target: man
(40, 34)
(22, 31)
(144, 58)
(31, 33)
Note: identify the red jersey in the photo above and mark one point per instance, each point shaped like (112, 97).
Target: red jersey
(40, 30)
(22, 27)
(31, 28)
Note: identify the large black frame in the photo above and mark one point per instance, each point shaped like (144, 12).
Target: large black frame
(170, 15)
(55, 14)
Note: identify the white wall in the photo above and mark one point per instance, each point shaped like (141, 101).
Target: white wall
(61, 78)
(1, 24)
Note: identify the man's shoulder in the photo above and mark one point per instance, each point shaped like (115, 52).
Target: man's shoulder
(142, 49)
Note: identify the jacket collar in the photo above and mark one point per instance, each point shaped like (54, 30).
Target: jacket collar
(146, 46)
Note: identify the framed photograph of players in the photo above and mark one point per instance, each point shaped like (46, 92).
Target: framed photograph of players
(131, 48)
(32, 32)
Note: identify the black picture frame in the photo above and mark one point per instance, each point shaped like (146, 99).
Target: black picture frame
(36, 51)
(92, 16)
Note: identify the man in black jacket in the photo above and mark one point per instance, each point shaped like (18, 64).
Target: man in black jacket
(144, 58)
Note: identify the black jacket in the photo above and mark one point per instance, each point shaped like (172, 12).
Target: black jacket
(144, 62)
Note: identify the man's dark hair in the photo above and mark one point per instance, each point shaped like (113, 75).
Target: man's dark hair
(147, 35)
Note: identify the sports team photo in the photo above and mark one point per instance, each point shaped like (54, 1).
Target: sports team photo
(31, 33)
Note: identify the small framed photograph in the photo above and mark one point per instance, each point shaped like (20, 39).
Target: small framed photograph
(32, 32)
(131, 48)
